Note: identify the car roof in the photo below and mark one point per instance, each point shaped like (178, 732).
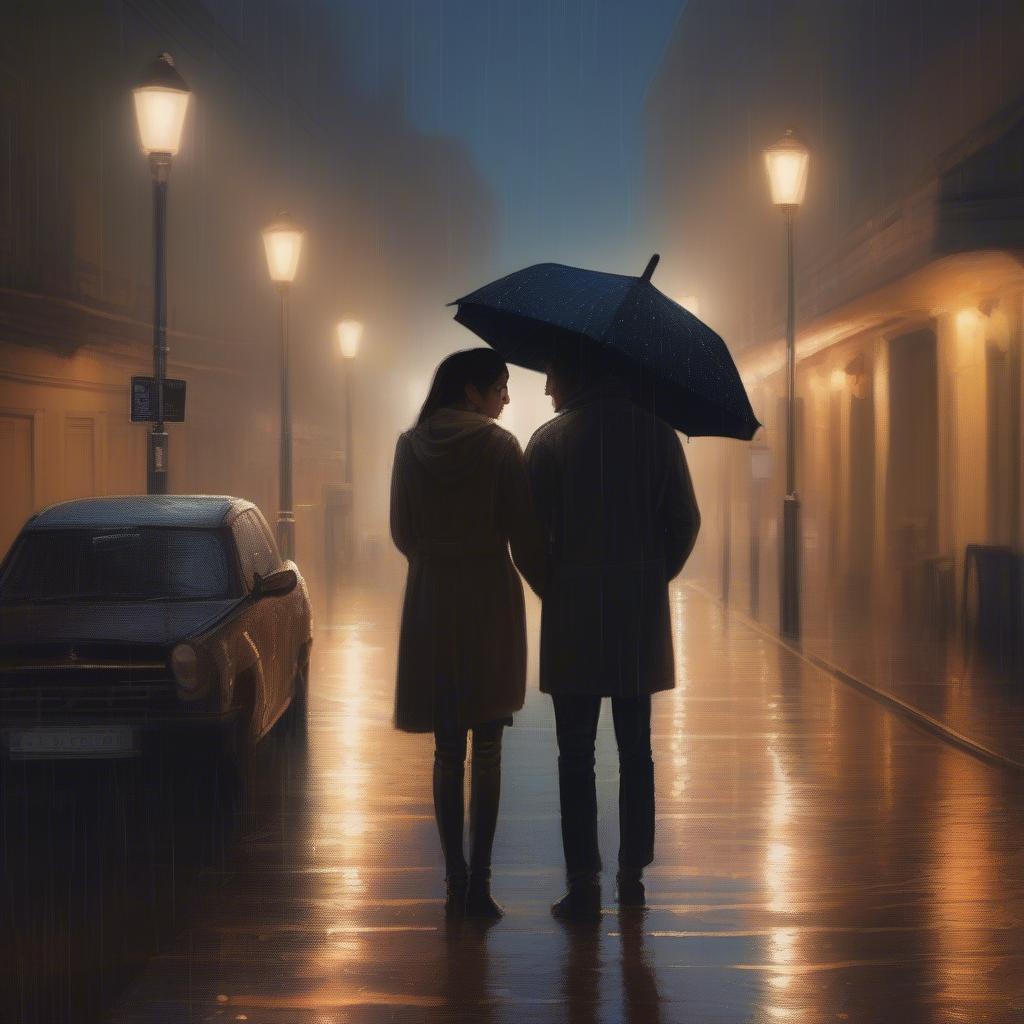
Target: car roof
(118, 511)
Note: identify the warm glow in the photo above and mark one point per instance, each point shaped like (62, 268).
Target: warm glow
(772, 358)
(161, 116)
(417, 395)
(838, 380)
(786, 163)
(349, 334)
(961, 858)
(161, 100)
(690, 303)
(283, 243)
(967, 321)
(970, 336)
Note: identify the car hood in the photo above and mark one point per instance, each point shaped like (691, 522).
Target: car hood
(132, 622)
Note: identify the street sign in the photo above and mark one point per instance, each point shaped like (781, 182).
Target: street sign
(143, 395)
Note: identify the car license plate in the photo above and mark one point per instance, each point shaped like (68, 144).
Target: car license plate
(72, 741)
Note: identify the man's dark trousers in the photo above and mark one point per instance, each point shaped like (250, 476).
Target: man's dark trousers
(576, 717)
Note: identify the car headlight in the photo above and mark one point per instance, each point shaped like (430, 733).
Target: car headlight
(185, 666)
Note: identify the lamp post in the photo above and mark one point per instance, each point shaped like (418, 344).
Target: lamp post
(161, 101)
(349, 332)
(282, 242)
(786, 163)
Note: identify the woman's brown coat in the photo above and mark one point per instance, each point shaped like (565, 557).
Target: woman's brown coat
(459, 497)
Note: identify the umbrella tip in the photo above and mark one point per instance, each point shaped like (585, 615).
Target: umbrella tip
(652, 263)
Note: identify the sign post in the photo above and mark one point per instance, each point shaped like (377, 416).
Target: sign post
(145, 408)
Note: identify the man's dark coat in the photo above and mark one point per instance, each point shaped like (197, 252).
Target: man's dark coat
(615, 499)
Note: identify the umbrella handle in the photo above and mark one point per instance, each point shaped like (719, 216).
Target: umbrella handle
(652, 263)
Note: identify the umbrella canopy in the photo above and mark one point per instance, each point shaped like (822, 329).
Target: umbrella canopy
(690, 376)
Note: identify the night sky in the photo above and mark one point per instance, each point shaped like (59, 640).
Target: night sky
(546, 95)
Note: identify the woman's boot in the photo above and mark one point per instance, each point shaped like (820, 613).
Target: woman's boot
(485, 792)
(449, 813)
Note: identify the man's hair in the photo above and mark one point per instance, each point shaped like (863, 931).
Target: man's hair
(576, 362)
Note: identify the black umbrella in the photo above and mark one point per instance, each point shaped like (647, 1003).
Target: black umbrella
(691, 378)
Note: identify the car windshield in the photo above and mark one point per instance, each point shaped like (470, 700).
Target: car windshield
(143, 564)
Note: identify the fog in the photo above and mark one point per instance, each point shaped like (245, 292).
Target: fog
(425, 148)
(821, 855)
(429, 147)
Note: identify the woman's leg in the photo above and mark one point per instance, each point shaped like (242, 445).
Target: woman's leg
(485, 793)
(449, 772)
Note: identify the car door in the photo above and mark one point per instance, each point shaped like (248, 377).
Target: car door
(272, 632)
(259, 618)
(288, 610)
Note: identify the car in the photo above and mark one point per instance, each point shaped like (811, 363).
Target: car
(134, 624)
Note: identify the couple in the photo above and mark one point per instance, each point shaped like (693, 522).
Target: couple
(600, 515)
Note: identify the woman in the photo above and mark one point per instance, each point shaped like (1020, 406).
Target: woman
(459, 497)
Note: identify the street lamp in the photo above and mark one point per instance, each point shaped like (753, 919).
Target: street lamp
(349, 333)
(282, 242)
(161, 101)
(786, 163)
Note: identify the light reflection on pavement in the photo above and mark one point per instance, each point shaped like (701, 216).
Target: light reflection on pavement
(817, 859)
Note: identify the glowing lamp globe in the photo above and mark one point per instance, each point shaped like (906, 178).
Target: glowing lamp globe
(161, 100)
(786, 163)
(350, 332)
(283, 244)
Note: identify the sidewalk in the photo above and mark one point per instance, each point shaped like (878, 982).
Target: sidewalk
(817, 859)
(929, 677)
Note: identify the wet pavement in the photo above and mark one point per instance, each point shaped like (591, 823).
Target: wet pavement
(947, 680)
(100, 863)
(943, 673)
(817, 859)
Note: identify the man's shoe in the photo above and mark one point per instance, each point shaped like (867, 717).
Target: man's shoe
(479, 902)
(455, 897)
(581, 903)
(629, 889)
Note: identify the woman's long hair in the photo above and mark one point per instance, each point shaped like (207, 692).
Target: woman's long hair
(480, 367)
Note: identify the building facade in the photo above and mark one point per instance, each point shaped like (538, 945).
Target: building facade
(273, 124)
(910, 312)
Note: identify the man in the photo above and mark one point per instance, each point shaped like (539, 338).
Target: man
(615, 498)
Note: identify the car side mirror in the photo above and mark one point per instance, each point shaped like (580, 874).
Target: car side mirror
(275, 584)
